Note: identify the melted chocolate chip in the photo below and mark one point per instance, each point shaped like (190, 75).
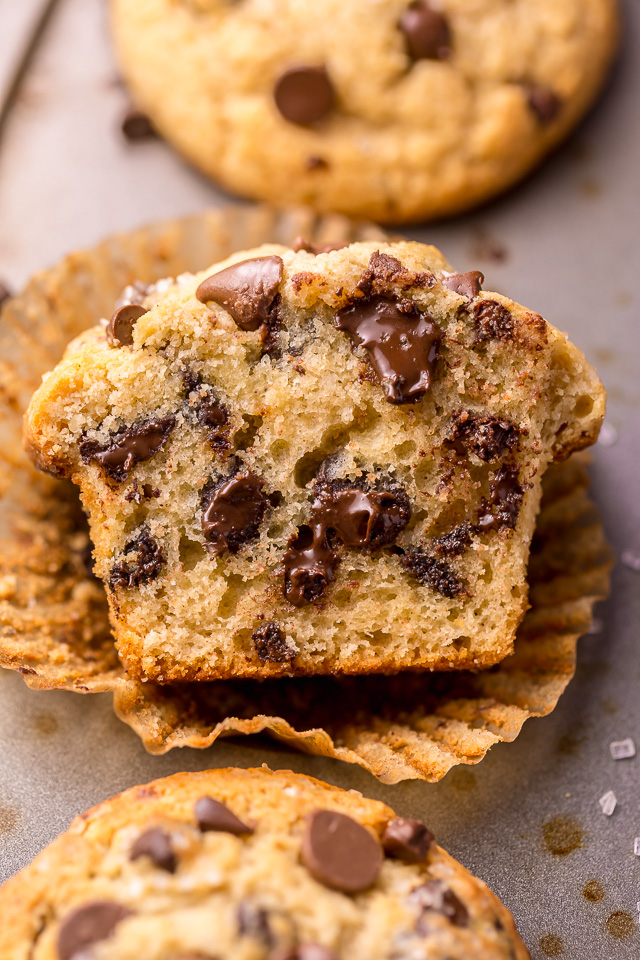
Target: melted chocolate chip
(454, 543)
(545, 103)
(339, 852)
(304, 95)
(253, 921)
(5, 293)
(213, 815)
(233, 511)
(155, 844)
(483, 435)
(492, 321)
(433, 573)
(270, 643)
(342, 514)
(407, 840)
(401, 343)
(143, 567)
(505, 499)
(247, 290)
(127, 447)
(433, 897)
(467, 285)
(426, 31)
(120, 327)
(315, 248)
(87, 925)
(136, 125)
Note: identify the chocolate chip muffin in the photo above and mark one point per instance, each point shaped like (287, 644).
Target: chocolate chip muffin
(249, 865)
(402, 110)
(302, 462)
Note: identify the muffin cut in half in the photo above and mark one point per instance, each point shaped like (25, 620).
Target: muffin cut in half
(308, 461)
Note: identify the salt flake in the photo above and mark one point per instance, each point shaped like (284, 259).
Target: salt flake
(631, 559)
(623, 749)
(608, 803)
(608, 435)
(636, 846)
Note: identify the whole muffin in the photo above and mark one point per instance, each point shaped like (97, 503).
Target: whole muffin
(249, 865)
(393, 110)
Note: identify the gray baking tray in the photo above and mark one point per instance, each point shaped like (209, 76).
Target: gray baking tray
(565, 243)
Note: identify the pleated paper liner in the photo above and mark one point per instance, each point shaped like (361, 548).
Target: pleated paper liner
(53, 614)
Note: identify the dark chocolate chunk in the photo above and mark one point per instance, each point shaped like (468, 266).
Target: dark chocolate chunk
(467, 285)
(138, 495)
(505, 499)
(143, 567)
(127, 447)
(310, 564)
(304, 95)
(120, 327)
(156, 844)
(407, 840)
(303, 951)
(253, 921)
(136, 125)
(492, 321)
(213, 815)
(401, 344)
(270, 643)
(340, 852)
(454, 543)
(233, 511)
(315, 248)
(247, 290)
(384, 274)
(433, 573)
(544, 102)
(5, 293)
(433, 896)
(87, 925)
(483, 435)
(426, 31)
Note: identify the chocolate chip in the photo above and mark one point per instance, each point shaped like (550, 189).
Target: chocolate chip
(401, 343)
(127, 447)
(233, 511)
(483, 435)
(433, 896)
(467, 285)
(433, 573)
(310, 564)
(143, 567)
(454, 543)
(270, 643)
(505, 499)
(213, 815)
(304, 951)
(339, 852)
(315, 248)
(544, 102)
(137, 495)
(247, 290)
(384, 274)
(87, 925)
(304, 95)
(407, 840)
(253, 922)
(210, 411)
(426, 31)
(136, 125)
(492, 321)
(5, 293)
(120, 327)
(155, 844)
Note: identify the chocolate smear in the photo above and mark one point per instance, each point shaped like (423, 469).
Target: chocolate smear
(467, 285)
(433, 573)
(233, 511)
(433, 897)
(407, 840)
(545, 103)
(142, 561)
(247, 290)
(270, 643)
(155, 844)
(213, 815)
(120, 327)
(454, 543)
(426, 31)
(304, 95)
(127, 447)
(487, 437)
(339, 852)
(492, 321)
(505, 499)
(88, 925)
(401, 344)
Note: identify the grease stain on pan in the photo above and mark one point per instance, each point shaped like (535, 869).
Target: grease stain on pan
(8, 820)
(620, 925)
(562, 835)
(45, 723)
(552, 946)
(463, 779)
(593, 891)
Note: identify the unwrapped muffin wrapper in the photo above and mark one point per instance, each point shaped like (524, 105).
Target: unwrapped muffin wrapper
(54, 626)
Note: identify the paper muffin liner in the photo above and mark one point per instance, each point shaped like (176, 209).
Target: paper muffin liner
(54, 626)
